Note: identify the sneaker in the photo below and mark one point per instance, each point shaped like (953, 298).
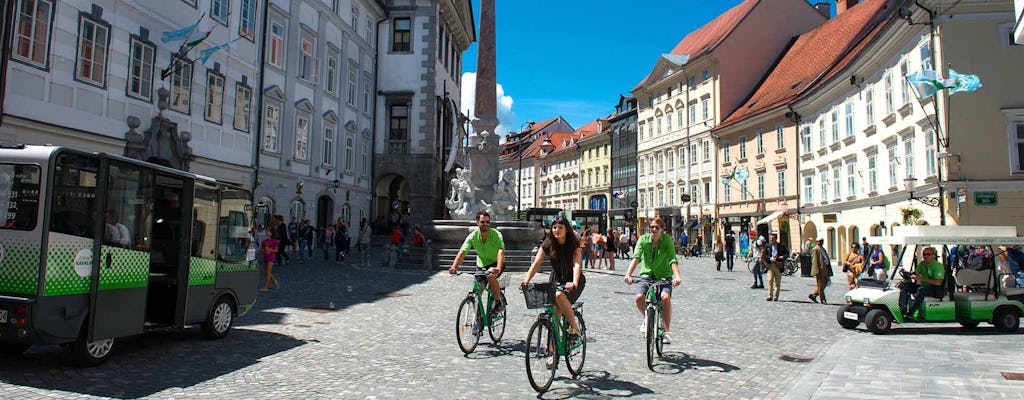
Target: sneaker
(643, 326)
(573, 337)
(666, 338)
(812, 298)
(499, 306)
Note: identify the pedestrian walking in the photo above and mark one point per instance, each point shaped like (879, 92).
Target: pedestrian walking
(283, 241)
(776, 253)
(821, 270)
(341, 241)
(327, 240)
(719, 255)
(730, 250)
(757, 254)
(363, 243)
(304, 236)
(624, 245)
(269, 249)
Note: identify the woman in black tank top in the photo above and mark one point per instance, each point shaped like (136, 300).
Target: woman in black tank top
(562, 247)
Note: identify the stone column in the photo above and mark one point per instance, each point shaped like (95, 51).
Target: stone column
(484, 147)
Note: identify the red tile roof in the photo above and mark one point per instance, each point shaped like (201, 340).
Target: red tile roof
(814, 56)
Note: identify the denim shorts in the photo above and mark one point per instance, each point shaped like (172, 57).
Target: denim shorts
(644, 283)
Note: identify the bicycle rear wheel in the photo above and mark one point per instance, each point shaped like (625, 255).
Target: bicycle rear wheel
(651, 318)
(467, 325)
(577, 352)
(750, 264)
(497, 326)
(541, 356)
(790, 268)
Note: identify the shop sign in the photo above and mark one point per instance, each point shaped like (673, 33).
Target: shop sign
(829, 218)
(990, 199)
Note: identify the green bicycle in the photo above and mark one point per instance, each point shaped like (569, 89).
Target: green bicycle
(474, 315)
(548, 337)
(655, 328)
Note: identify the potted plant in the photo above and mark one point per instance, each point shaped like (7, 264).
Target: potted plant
(910, 215)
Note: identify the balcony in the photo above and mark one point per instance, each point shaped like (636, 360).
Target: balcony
(398, 147)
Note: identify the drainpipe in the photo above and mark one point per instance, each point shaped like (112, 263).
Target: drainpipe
(935, 104)
(373, 137)
(797, 119)
(8, 22)
(261, 82)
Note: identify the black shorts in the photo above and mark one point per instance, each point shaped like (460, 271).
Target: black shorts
(483, 279)
(574, 294)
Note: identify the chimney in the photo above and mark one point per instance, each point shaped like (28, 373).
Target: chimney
(843, 5)
(824, 8)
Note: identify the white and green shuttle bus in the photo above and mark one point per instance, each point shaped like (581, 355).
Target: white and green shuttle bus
(95, 247)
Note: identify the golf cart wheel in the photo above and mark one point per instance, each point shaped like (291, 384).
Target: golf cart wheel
(878, 321)
(969, 325)
(843, 321)
(1006, 319)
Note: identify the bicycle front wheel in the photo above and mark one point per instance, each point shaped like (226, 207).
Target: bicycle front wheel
(541, 356)
(790, 267)
(467, 325)
(651, 318)
(750, 264)
(577, 352)
(497, 326)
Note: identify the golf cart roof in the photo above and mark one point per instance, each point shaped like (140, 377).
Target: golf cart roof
(950, 235)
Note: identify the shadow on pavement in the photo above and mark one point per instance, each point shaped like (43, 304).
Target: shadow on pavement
(146, 364)
(594, 385)
(506, 347)
(945, 330)
(677, 363)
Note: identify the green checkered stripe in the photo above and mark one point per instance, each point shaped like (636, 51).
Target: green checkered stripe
(235, 267)
(61, 278)
(129, 269)
(19, 269)
(201, 271)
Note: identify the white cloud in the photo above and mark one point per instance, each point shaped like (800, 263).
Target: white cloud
(506, 118)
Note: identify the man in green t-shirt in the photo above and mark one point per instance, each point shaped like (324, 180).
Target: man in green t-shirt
(490, 255)
(929, 274)
(658, 258)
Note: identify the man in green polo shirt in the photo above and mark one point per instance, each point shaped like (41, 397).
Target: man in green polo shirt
(655, 252)
(929, 274)
(490, 255)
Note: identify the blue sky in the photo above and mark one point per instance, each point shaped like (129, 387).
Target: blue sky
(574, 57)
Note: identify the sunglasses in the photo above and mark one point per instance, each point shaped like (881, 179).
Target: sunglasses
(484, 222)
(655, 228)
(927, 254)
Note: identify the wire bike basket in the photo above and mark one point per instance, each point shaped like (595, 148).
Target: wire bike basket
(539, 295)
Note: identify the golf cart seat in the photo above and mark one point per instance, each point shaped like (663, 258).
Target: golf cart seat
(977, 282)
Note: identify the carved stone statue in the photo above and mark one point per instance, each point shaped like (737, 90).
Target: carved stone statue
(460, 202)
(504, 199)
(161, 143)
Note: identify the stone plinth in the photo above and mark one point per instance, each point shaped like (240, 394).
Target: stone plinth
(518, 235)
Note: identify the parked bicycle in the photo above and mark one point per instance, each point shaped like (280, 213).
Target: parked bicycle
(791, 265)
(548, 337)
(654, 326)
(474, 314)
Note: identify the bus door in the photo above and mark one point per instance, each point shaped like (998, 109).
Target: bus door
(124, 251)
(169, 266)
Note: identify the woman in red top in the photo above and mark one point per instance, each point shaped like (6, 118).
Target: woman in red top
(269, 250)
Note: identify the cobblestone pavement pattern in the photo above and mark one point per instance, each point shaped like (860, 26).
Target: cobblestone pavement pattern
(342, 332)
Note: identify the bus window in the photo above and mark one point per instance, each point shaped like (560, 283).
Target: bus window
(204, 213)
(126, 219)
(234, 224)
(19, 196)
(74, 194)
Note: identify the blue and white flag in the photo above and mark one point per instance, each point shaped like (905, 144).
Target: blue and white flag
(963, 82)
(207, 53)
(180, 34)
(928, 82)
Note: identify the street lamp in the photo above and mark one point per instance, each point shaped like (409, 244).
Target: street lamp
(910, 182)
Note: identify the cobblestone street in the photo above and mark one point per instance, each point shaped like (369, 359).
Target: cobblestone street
(341, 332)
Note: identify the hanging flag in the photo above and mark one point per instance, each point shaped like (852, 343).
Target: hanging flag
(196, 41)
(963, 83)
(619, 195)
(928, 82)
(207, 53)
(180, 34)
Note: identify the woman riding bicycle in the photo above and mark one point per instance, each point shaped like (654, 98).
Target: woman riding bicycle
(655, 251)
(564, 252)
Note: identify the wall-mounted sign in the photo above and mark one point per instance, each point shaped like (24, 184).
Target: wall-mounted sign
(829, 218)
(990, 199)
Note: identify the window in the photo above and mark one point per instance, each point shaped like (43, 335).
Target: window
(821, 132)
(328, 149)
(908, 156)
(353, 81)
(367, 98)
(658, 124)
(760, 186)
(706, 106)
(350, 157)
(851, 177)
(707, 192)
(642, 129)
(707, 151)
(302, 137)
(905, 93)
(837, 179)
(759, 141)
(679, 118)
(869, 106)
(780, 140)
(873, 172)
(891, 148)
(668, 122)
(926, 56)
(849, 118)
(823, 183)
(808, 189)
(308, 61)
(671, 158)
(401, 37)
(219, 11)
(271, 127)
(140, 69)
(725, 151)
(743, 190)
(247, 22)
(1017, 145)
(32, 32)
(355, 19)
(835, 125)
(780, 177)
(743, 147)
(704, 75)
(332, 74)
(889, 107)
(93, 38)
(276, 54)
(694, 194)
(181, 86)
(399, 123)
(214, 97)
(640, 167)
(693, 113)
(691, 82)
(726, 193)
(243, 101)
(929, 153)
(693, 154)
(805, 139)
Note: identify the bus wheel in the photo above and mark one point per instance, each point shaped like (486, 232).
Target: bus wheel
(87, 354)
(13, 349)
(218, 324)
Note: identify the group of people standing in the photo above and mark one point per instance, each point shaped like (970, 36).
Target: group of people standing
(600, 251)
(301, 236)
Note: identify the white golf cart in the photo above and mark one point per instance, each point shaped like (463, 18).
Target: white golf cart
(971, 295)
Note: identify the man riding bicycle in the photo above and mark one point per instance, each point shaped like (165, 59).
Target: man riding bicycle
(490, 255)
(657, 255)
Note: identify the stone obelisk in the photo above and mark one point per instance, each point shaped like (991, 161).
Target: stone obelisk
(484, 147)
